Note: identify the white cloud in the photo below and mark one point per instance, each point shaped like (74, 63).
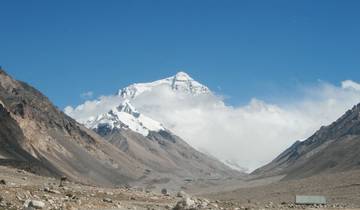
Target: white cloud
(91, 109)
(87, 95)
(349, 84)
(252, 134)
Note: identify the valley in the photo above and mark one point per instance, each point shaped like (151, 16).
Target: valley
(122, 159)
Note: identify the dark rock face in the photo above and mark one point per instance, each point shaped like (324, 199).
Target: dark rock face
(332, 148)
(164, 135)
(103, 129)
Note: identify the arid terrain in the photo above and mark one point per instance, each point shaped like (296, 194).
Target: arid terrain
(19, 189)
(21, 186)
(342, 190)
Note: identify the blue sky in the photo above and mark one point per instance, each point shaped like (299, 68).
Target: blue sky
(242, 49)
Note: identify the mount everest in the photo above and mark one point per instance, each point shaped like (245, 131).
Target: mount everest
(124, 115)
(232, 134)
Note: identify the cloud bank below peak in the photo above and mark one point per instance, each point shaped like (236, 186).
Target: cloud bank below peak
(249, 135)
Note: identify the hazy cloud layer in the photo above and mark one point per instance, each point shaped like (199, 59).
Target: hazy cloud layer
(250, 135)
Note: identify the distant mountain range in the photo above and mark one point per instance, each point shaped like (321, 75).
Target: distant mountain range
(122, 146)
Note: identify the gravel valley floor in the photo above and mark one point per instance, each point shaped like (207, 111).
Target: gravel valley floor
(342, 190)
(19, 189)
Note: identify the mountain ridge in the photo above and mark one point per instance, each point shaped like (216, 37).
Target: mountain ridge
(52, 138)
(332, 148)
(181, 81)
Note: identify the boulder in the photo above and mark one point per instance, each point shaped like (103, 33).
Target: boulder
(107, 200)
(164, 191)
(185, 204)
(181, 194)
(37, 204)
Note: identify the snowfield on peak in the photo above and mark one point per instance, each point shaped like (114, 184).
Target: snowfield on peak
(181, 82)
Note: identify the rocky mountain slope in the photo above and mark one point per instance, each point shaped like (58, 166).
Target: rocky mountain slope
(168, 155)
(333, 148)
(35, 133)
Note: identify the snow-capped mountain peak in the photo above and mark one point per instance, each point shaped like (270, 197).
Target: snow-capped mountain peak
(181, 82)
(127, 117)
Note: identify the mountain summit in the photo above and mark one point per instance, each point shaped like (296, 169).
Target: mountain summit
(125, 115)
(181, 82)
